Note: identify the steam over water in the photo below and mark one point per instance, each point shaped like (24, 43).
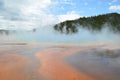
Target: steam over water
(48, 34)
(101, 62)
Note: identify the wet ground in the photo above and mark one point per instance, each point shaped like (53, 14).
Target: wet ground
(25, 61)
(102, 64)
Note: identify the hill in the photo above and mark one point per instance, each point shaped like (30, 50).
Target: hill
(94, 23)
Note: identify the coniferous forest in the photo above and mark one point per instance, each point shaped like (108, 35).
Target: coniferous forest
(94, 23)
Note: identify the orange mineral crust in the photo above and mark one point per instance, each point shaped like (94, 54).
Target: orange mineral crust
(53, 67)
(12, 67)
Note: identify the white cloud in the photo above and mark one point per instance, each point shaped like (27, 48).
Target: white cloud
(42, 21)
(35, 6)
(114, 7)
(1, 17)
(68, 2)
(28, 14)
(16, 24)
(69, 16)
(113, 1)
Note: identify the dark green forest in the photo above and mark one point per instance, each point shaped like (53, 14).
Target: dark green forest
(93, 23)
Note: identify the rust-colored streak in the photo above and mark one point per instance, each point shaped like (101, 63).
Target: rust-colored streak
(12, 67)
(52, 66)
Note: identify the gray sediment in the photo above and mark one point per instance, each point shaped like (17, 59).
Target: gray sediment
(103, 64)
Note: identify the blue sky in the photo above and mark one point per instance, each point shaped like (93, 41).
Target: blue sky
(88, 7)
(27, 14)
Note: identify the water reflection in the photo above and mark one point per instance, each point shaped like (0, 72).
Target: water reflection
(102, 64)
(106, 53)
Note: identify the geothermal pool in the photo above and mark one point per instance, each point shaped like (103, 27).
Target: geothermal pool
(49, 55)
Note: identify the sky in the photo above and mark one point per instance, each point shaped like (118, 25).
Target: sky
(29, 14)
